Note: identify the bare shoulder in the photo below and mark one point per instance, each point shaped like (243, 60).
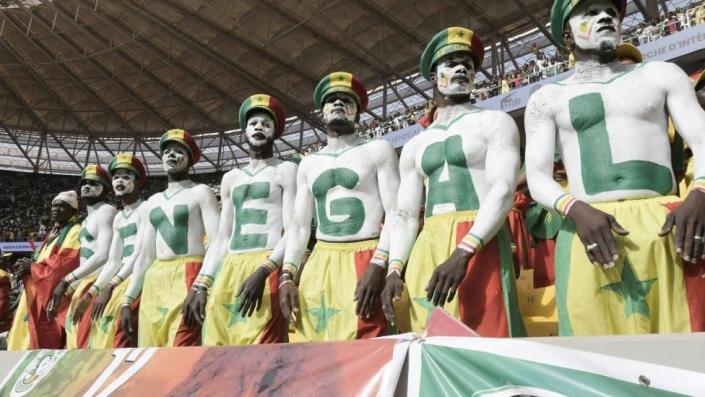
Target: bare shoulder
(203, 190)
(107, 210)
(661, 73)
(287, 168)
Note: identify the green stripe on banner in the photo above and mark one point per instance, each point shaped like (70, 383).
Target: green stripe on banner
(447, 371)
(509, 290)
(564, 244)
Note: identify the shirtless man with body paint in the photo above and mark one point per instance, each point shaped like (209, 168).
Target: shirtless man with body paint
(128, 177)
(349, 186)
(172, 249)
(95, 237)
(609, 122)
(236, 294)
(465, 164)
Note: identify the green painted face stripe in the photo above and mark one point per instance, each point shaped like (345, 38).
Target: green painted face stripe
(352, 207)
(454, 371)
(509, 291)
(346, 150)
(599, 172)
(564, 244)
(248, 216)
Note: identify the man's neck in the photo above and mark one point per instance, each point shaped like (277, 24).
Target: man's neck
(337, 143)
(91, 208)
(449, 111)
(261, 152)
(595, 66)
(178, 184)
(131, 201)
(257, 162)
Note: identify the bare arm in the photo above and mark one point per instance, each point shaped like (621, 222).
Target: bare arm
(540, 148)
(209, 212)
(388, 185)
(219, 245)
(501, 169)
(112, 266)
(143, 259)
(300, 228)
(687, 115)
(103, 244)
(405, 223)
(288, 181)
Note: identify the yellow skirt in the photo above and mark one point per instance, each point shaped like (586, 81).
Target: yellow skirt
(327, 290)
(166, 285)
(77, 334)
(649, 290)
(486, 300)
(103, 331)
(224, 325)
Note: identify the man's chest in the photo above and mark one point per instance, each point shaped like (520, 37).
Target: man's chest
(173, 210)
(257, 189)
(351, 172)
(444, 151)
(582, 107)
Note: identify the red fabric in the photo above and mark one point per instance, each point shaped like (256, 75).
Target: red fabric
(480, 293)
(45, 333)
(84, 324)
(377, 324)
(519, 230)
(5, 317)
(276, 329)
(695, 293)
(189, 336)
(542, 258)
(121, 339)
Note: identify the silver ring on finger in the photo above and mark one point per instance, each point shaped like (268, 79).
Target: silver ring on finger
(591, 247)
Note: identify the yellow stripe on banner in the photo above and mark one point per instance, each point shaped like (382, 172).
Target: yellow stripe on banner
(260, 100)
(459, 36)
(340, 79)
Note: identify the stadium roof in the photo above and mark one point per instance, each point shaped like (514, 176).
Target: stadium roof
(81, 80)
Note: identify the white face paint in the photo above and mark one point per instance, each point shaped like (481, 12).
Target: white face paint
(123, 182)
(91, 188)
(595, 25)
(259, 129)
(339, 107)
(455, 75)
(174, 158)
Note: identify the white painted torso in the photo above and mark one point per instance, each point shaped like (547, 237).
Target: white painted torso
(96, 219)
(355, 193)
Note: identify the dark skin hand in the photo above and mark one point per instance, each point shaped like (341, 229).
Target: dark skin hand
(56, 297)
(81, 308)
(126, 324)
(595, 227)
(367, 291)
(289, 302)
(251, 291)
(194, 307)
(689, 220)
(101, 301)
(447, 277)
(391, 293)
(22, 267)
